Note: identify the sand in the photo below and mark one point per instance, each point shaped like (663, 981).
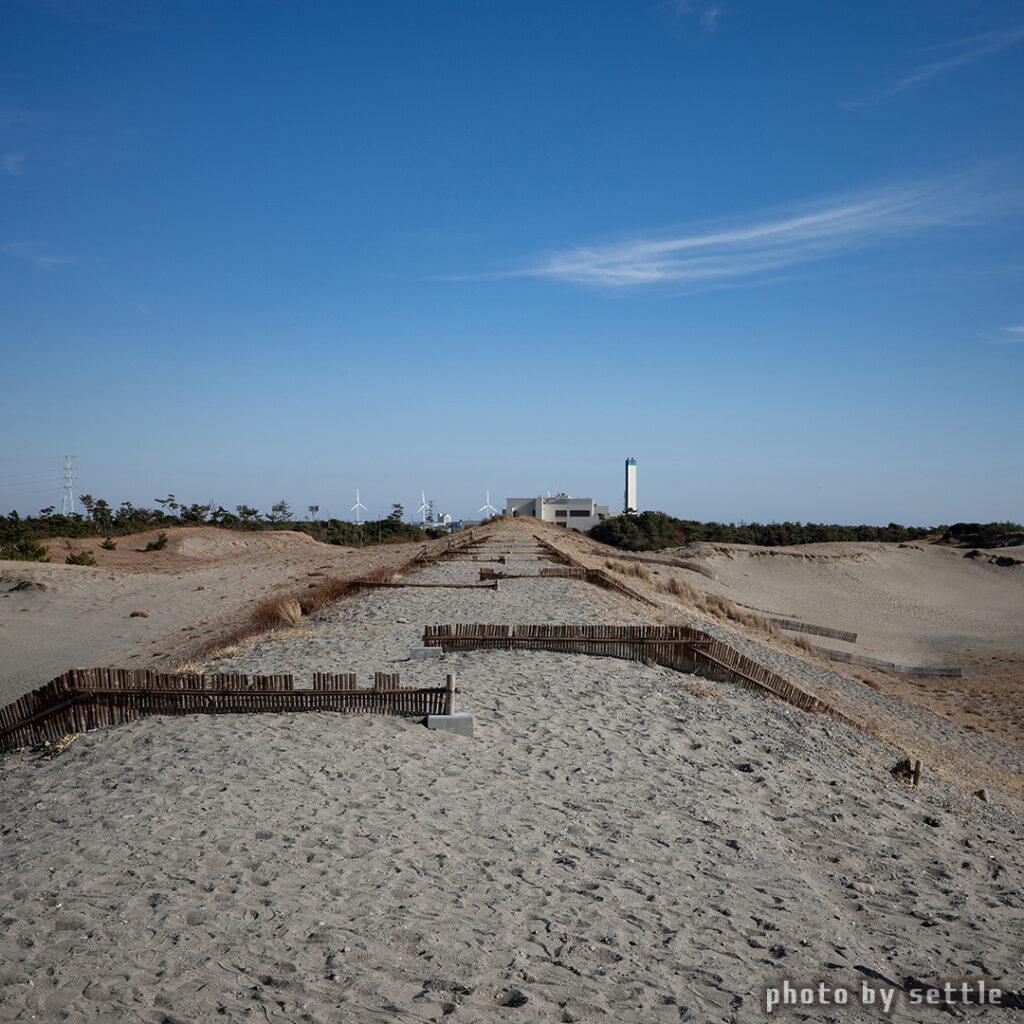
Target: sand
(617, 842)
(915, 604)
(55, 616)
(910, 604)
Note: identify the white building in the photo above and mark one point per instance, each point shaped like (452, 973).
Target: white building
(562, 510)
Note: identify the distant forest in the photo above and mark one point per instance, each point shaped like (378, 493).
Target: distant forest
(651, 531)
(25, 539)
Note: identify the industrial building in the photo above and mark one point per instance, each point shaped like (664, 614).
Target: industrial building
(562, 510)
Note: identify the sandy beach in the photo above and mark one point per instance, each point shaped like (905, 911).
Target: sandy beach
(616, 842)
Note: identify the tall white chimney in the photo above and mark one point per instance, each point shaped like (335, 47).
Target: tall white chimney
(630, 498)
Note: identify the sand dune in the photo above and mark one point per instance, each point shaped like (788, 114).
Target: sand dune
(56, 616)
(924, 604)
(914, 605)
(617, 842)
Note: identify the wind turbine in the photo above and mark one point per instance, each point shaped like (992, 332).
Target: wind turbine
(424, 508)
(357, 506)
(488, 507)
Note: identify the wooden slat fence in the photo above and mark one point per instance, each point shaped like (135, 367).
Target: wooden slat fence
(596, 577)
(683, 648)
(497, 574)
(84, 699)
(805, 627)
(453, 546)
(334, 680)
(372, 584)
(888, 666)
(463, 549)
(553, 554)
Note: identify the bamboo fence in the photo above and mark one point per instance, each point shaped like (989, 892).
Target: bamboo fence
(888, 666)
(596, 577)
(371, 584)
(85, 699)
(682, 648)
(805, 627)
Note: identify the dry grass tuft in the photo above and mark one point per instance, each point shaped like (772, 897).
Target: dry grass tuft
(720, 607)
(677, 588)
(53, 749)
(289, 612)
(637, 569)
(286, 611)
(693, 685)
(715, 605)
(269, 615)
(324, 593)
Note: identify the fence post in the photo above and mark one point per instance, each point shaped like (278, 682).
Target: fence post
(449, 694)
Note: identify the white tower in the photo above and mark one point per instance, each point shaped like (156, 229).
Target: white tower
(630, 497)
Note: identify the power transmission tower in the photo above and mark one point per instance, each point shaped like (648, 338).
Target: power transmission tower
(67, 502)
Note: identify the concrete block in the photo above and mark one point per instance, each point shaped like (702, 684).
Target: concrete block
(461, 723)
(418, 653)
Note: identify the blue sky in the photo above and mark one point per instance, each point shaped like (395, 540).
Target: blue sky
(288, 248)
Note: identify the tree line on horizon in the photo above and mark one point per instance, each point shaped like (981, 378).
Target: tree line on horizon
(22, 539)
(652, 531)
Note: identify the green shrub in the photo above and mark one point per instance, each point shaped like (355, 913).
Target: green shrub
(159, 544)
(109, 545)
(82, 558)
(650, 531)
(27, 549)
(383, 531)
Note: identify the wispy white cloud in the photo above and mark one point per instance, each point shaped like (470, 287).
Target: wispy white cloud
(31, 254)
(705, 14)
(960, 52)
(1011, 336)
(744, 252)
(13, 162)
